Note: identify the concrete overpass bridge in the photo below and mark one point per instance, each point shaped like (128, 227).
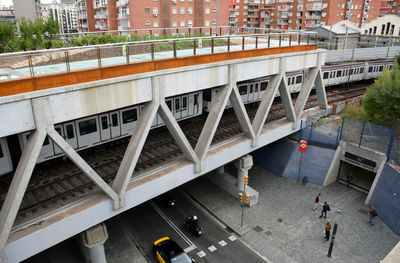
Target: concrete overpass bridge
(34, 100)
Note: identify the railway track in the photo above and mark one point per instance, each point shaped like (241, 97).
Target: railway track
(55, 187)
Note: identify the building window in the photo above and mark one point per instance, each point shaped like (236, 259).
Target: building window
(358, 16)
(355, 7)
(214, 22)
(214, 10)
(155, 23)
(182, 11)
(207, 1)
(174, 11)
(182, 23)
(190, 23)
(174, 23)
(182, 0)
(207, 11)
(338, 5)
(207, 23)
(146, 9)
(342, 6)
(190, 10)
(147, 22)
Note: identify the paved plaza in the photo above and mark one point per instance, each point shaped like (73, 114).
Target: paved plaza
(283, 227)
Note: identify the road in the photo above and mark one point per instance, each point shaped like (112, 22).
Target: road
(155, 219)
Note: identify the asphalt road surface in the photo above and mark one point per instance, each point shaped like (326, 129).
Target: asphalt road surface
(156, 219)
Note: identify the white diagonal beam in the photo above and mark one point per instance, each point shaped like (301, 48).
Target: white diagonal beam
(178, 135)
(305, 91)
(320, 91)
(266, 103)
(286, 99)
(241, 114)
(19, 184)
(214, 116)
(81, 163)
(136, 144)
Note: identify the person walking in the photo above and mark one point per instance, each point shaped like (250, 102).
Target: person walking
(372, 214)
(325, 209)
(328, 227)
(349, 178)
(317, 201)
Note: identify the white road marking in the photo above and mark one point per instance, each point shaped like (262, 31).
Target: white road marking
(212, 248)
(222, 243)
(232, 238)
(201, 254)
(177, 230)
(188, 249)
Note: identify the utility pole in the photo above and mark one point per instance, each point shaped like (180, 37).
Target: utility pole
(216, 26)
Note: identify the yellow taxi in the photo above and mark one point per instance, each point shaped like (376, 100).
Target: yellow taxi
(168, 251)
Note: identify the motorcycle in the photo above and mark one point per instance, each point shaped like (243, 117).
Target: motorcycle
(192, 224)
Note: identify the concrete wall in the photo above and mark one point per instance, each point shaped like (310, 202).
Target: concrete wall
(386, 198)
(282, 158)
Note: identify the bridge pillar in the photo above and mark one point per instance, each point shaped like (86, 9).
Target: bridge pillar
(92, 244)
(243, 166)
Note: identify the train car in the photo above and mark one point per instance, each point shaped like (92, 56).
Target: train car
(342, 73)
(108, 126)
(5, 159)
(375, 69)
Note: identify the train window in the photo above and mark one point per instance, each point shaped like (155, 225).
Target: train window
(114, 119)
(196, 99)
(351, 71)
(207, 95)
(381, 68)
(370, 69)
(251, 88)
(169, 104)
(326, 75)
(184, 106)
(361, 70)
(299, 79)
(177, 104)
(331, 76)
(1, 152)
(288, 81)
(86, 127)
(339, 73)
(256, 87)
(264, 85)
(104, 123)
(70, 131)
(243, 90)
(129, 116)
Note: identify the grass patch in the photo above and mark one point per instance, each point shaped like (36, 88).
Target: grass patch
(356, 112)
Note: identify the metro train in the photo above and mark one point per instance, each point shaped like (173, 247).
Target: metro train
(105, 127)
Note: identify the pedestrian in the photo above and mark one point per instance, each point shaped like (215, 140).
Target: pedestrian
(349, 178)
(328, 227)
(317, 201)
(372, 214)
(325, 208)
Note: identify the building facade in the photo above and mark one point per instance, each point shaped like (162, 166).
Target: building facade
(30, 9)
(138, 14)
(7, 14)
(389, 7)
(65, 14)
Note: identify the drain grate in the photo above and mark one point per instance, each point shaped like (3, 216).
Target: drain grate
(279, 220)
(362, 211)
(268, 233)
(258, 229)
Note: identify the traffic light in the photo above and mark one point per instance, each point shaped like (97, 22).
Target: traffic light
(246, 179)
(247, 200)
(240, 197)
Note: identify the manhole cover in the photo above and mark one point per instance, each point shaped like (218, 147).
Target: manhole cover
(258, 229)
(362, 211)
(268, 233)
(280, 220)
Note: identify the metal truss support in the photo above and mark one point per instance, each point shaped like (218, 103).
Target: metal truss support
(21, 178)
(320, 91)
(286, 99)
(214, 116)
(136, 144)
(178, 135)
(305, 91)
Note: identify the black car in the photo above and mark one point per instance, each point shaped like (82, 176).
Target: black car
(168, 251)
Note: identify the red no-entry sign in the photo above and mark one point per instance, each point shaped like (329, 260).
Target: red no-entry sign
(303, 146)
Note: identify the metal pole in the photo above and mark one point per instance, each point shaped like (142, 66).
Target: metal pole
(341, 129)
(335, 226)
(361, 135)
(216, 26)
(298, 174)
(337, 136)
(301, 130)
(243, 203)
(389, 150)
(309, 139)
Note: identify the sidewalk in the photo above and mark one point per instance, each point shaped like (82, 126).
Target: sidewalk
(284, 228)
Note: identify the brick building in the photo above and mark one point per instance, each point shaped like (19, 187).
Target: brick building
(139, 14)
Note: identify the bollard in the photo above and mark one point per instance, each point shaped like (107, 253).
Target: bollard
(335, 226)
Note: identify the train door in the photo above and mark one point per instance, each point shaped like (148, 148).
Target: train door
(115, 124)
(105, 127)
(177, 108)
(244, 93)
(60, 131)
(88, 132)
(184, 106)
(196, 104)
(251, 92)
(129, 119)
(70, 134)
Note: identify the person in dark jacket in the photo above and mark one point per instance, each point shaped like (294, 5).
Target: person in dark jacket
(328, 228)
(372, 214)
(325, 209)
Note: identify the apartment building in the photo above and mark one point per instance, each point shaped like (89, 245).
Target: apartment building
(389, 7)
(139, 14)
(301, 14)
(7, 14)
(65, 14)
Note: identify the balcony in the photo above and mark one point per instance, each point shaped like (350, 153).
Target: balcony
(232, 14)
(101, 27)
(253, 9)
(252, 22)
(312, 25)
(314, 8)
(84, 25)
(282, 22)
(100, 16)
(313, 17)
(264, 15)
(122, 3)
(82, 16)
(100, 5)
(252, 15)
(287, 8)
(300, 8)
(283, 15)
(123, 16)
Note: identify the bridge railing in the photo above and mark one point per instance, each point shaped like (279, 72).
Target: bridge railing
(44, 62)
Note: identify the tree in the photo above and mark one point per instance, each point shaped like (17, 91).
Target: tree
(7, 37)
(50, 29)
(382, 99)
